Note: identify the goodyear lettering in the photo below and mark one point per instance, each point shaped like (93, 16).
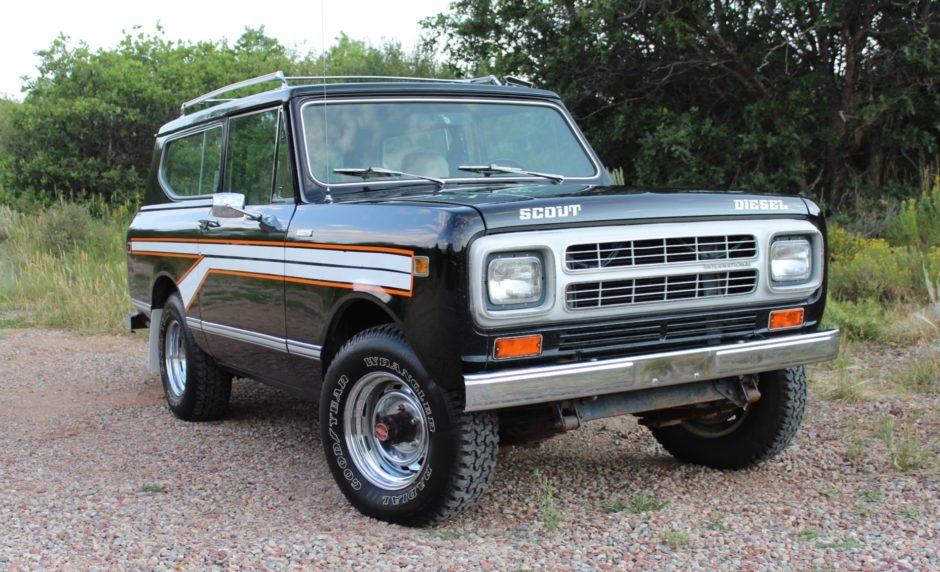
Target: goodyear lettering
(410, 495)
(336, 446)
(538, 213)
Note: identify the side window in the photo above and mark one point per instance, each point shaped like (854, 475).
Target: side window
(249, 166)
(191, 163)
(283, 184)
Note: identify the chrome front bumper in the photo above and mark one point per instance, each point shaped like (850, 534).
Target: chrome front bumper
(527, 386)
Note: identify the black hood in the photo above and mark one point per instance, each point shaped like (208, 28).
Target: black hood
(505, 206)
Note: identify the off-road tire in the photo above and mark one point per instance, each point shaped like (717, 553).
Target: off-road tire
(207, 389)
(766, 429)
(461, 447)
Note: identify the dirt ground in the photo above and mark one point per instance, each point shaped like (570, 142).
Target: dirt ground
(96, 473)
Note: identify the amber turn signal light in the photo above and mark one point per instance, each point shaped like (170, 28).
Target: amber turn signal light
(518, 347)
(421, 265)
(785, 319)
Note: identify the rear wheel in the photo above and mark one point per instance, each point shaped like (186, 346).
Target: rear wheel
(196, 389)
(744, 437)
(399, 446)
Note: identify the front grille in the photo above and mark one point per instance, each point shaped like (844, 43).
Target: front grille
(602, 294)
(659, 331)
(627, 253)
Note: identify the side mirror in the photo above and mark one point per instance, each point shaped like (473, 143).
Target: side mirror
(228, 205)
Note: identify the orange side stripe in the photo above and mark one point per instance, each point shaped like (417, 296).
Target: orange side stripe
(305, 281)
(369, 287)
(350, 247)
(168, 254)
(285, 244)
(246, 274)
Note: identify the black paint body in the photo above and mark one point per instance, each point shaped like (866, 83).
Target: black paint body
(439, 224)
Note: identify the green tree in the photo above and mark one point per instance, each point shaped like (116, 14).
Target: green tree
(355, 57)
(7, 109)
(829, 97)
(85, 127)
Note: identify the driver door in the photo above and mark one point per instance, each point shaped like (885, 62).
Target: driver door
(242, 296)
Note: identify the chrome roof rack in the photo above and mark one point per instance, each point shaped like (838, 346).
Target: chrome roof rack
(213, 96)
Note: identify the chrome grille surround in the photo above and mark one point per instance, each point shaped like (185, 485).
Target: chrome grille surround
(559, 278)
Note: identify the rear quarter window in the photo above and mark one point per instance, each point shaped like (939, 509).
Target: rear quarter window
(191, 163)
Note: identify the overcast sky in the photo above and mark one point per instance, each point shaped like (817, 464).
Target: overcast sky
(32, 25)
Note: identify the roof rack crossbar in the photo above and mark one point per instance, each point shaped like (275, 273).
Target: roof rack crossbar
(325, 78)
(212, 95)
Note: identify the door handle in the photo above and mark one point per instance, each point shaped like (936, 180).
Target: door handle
(207, 223)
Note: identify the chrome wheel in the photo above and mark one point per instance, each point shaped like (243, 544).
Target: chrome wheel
(174, 357)
(386, 430)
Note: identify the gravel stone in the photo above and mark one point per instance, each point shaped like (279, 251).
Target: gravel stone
(97, 475)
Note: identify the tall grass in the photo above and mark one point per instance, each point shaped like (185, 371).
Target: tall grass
(64, 267)
(918, 221)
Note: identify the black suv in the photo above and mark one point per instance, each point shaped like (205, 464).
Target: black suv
(446, 266)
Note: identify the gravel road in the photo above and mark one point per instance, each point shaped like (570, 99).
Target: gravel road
(97, 474)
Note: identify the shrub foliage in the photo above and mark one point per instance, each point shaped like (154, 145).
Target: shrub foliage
(832, 98)
(85, 128)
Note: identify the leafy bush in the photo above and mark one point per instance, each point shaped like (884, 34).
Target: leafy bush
(63, 228)
(675, 98)
(918, 222)
(870, 268)
(85, 127)
(861, 320)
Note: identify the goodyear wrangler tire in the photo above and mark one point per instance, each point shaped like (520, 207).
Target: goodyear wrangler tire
(196, 389)
(399, 446)
(746, 438)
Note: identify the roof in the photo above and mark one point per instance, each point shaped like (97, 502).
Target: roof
(326, 88)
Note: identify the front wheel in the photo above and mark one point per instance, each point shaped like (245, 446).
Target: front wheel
(398, 445)
(744, 437)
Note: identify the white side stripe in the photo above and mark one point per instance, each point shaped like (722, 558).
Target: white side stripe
(379, 260)
(167, 247)
(384, 270)
(242, 251)
(364, 276)
(190, 285)
(345, 258)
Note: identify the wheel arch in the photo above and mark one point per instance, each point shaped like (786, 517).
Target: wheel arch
(355, 313)
(163, 287)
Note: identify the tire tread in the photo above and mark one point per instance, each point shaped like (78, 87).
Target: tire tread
(475, 456)
(210, 386)
(782, 426)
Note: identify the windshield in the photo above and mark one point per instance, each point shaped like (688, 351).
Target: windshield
(435, 139)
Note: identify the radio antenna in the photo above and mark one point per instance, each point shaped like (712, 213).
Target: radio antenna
(326, 126)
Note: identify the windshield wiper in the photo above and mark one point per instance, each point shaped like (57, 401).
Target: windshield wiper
(379, 172)
(488, 170)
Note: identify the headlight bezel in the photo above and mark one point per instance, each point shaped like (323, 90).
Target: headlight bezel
(812, 256)
(521, 256)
